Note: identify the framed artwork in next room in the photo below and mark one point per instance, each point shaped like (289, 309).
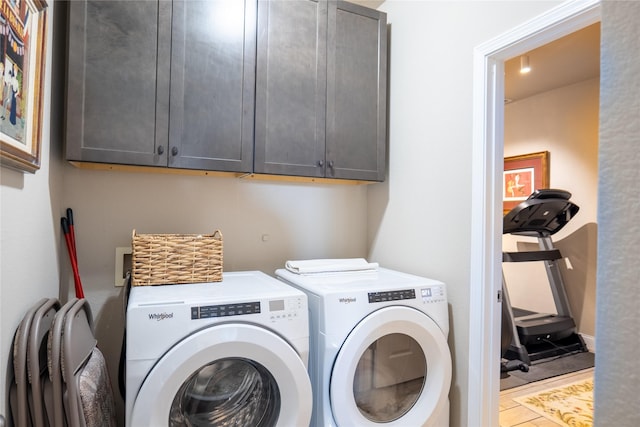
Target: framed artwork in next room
(522, 175)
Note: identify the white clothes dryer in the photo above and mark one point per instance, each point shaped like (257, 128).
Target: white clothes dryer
(378, 349)
(233, 352)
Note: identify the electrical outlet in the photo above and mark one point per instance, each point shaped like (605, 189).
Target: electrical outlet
(123, 265)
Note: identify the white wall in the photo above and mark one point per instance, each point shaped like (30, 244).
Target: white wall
(565, 123)
(29, 238)
(617, 378)
(419, 220)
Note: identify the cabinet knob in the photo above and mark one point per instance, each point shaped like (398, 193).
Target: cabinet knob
(174, 151)
(330, 164)
(160, 150)
(320, 163)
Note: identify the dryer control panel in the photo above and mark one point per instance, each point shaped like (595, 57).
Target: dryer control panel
(392, 295)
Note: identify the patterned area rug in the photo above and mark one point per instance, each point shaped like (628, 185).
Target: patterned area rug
(570, 405)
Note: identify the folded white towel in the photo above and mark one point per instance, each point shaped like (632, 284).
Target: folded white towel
(322, 266)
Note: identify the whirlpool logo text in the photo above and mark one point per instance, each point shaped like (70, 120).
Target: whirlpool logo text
(160, 316)
(347, 300)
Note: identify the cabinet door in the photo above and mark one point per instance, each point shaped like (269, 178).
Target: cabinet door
(356, 92)
(117, 104)
(212, 85)
(291, 87)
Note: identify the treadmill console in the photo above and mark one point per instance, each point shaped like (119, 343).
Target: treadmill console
(544, 213)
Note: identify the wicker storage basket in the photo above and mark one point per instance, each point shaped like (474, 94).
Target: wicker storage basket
(162, 259)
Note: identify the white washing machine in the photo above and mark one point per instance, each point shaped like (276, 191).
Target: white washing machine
(228, 353)
(379, 353)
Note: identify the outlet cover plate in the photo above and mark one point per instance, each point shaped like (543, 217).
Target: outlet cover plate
(120, 274)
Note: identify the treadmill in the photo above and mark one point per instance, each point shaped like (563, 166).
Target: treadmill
(536, 336)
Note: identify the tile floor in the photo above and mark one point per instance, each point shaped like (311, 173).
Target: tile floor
(512, 414)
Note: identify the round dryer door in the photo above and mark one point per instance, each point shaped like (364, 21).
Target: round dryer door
(394, 368)
(231, 374)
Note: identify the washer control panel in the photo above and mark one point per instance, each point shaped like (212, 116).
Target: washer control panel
(275, 309)
(433, 294)
(286, 309)
(224, 310)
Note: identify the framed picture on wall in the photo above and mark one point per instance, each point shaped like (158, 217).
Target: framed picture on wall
(23, 31)
(522, 175)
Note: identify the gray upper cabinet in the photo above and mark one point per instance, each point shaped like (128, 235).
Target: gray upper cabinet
(212, 85)
(291, 87)
(115, 107)
(295, 87)
(356, 93)
(321, 90)
(162, 83)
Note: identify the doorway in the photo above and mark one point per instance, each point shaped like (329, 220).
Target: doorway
(487, 162)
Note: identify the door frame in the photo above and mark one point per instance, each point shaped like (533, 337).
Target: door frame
(486, 199)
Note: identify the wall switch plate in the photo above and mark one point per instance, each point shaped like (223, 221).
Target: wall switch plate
(123, 265)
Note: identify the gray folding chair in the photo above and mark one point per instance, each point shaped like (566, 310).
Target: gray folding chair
(37, 360)
(19, 392)
(53, 389)
(89, 398)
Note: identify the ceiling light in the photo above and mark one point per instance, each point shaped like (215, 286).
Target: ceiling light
(524, 64)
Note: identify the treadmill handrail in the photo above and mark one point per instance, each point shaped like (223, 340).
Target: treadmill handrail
(545, 255)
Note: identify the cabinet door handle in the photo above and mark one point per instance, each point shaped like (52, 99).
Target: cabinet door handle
(160, 150)
(320, 163)
(174, 151)
(330, 164)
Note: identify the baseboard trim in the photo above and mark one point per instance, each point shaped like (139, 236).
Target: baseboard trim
(590, 342)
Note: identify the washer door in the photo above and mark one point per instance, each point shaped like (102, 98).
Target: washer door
(394, 368)
(231, 374)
